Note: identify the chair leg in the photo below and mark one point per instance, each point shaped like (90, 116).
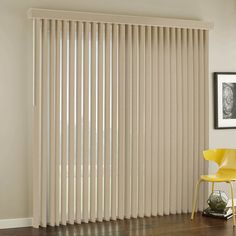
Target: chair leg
(232, 195)
(195, 198)
(213, 187)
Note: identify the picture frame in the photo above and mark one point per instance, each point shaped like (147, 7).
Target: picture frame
(225, 100)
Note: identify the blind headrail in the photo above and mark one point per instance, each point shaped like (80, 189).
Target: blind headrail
(35, 13)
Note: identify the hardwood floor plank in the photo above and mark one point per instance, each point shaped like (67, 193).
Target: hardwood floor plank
(177, 225)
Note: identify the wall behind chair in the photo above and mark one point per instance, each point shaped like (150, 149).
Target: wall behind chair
(16, 78)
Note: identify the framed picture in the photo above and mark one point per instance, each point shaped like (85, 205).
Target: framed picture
(225, 100)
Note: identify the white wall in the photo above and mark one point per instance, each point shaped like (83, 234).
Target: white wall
(16, 80)
(222, 58)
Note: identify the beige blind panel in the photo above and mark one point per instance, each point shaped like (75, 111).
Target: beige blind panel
(121, 120)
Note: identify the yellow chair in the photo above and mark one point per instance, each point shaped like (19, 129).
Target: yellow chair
(226, 160)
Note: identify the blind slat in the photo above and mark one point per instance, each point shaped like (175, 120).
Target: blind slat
(201, 111)
(114, 122)
(86, 131)
(167, 134)
(52, 125)
(37, 41)
(161, 121)
(79, 124)
(93, 123)
(179, 121)
(148, 123)
(173, 125)
(154, 117)
(64, 185)
(206, 102)
(185, 122)
(45, 122)
(58, 122)
(121, 123)
(190, 119)
(135, 120)
(128, 121)
(71, 173)
(100, 124)
(196, 105)
(107, 176)
(141, 101)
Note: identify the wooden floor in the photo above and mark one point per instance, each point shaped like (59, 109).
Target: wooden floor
(174, 225)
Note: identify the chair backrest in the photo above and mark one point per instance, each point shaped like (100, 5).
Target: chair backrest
(225, 158)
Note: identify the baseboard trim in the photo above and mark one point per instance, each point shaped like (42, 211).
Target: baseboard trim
(15, 223)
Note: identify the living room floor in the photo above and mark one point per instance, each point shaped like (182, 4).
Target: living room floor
(173, 225)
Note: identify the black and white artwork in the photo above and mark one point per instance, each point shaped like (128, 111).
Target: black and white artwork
(225, 100)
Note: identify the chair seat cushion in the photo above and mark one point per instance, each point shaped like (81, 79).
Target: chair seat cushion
(217, 178)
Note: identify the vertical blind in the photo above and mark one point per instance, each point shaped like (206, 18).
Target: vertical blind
(120, 117)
